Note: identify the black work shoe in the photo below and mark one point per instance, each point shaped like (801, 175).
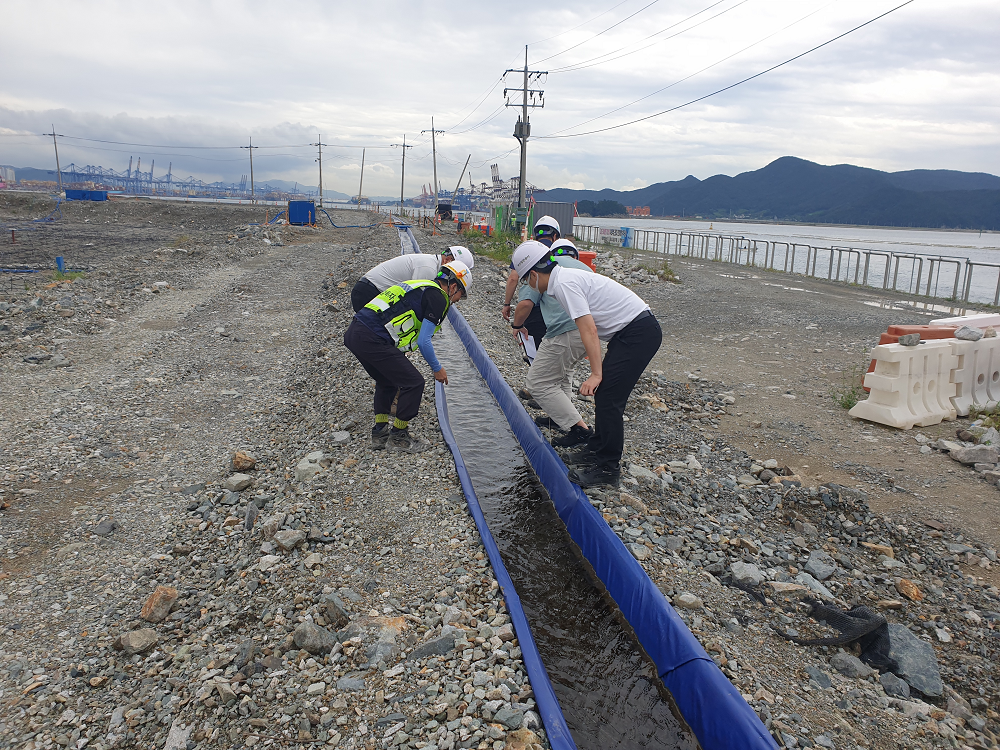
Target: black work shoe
(401, 441)
(580, 457)
(598, 476)
(380, 435)
(545, 421)
(575, 436)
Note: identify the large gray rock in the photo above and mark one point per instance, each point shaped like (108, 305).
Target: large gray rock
(813, 585)
(977, 454)
(138, 641)
(849, 665)
(238, 482)
(747, 573)
(821, 565)
(508, 717)
(894, 686)
(818, 676)
(288, 539)
(966, 333)
(917, 662)
(351, 683)
(437, 647)
(340, 438)
(313, 638)
(310, 466)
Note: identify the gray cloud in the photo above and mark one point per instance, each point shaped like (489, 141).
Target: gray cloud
(916, 89)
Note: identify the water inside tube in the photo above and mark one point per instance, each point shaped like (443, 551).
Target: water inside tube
(607, 687)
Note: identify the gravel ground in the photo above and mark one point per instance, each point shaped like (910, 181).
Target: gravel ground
(125, 409)
(149, 598)
(694, 511)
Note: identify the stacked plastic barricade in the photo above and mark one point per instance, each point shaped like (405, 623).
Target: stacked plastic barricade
(937, 380)
(977, 373)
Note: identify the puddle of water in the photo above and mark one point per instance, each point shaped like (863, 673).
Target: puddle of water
(922, 307)
(608, 689)
(790, 288)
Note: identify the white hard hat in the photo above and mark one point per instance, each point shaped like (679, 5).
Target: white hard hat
(458, 271)
(573, 249)
(547, 221)
(527, 256)
(461, 253)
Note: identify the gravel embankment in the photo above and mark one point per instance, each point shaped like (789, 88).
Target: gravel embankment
(150, 599)
(344, 603)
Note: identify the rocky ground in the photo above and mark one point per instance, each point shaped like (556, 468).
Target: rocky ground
(201, 550)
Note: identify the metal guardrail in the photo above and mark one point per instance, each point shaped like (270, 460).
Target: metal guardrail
(942, 277)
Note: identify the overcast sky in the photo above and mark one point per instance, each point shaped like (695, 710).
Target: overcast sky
(916, 89)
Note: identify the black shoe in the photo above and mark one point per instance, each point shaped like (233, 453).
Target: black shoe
(545, 421)
(598, 476)
(580, 457)
(380, 436)
(575, 436)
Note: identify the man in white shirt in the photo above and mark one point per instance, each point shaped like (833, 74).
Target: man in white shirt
(404, 268)
(603, 310)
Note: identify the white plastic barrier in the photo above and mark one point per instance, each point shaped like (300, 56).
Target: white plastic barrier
(976, 375)
(973, 321)
(910, 385)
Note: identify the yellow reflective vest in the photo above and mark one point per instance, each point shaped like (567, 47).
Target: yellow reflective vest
(398, 315)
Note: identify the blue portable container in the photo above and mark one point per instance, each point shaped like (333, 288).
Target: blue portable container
(86, 195)
(301, 212)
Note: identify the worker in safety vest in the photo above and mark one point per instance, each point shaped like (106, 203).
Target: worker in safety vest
(399, 320)
(550, 377)
(603, 310)
(405, 267)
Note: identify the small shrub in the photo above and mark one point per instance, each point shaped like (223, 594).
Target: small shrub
(850, 390)
(499, 246)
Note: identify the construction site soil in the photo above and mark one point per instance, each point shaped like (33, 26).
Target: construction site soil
(151, 595)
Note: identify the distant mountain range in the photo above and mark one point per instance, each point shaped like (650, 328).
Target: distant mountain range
(791, 189)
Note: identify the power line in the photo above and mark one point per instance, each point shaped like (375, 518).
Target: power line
(591, 62)
(599, 33)
(733, 85)
(563, 33)
(697, 72)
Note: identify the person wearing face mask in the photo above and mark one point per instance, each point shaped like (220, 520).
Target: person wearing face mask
(550, 377)
(603, 310)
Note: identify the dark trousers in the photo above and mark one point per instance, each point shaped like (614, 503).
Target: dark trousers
(629, 351)
(390, 368)
(535, 325)
(363, 293)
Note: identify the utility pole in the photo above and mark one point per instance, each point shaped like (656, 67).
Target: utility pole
(319, 143)
(56, 147)
(250, 148)
(402, 179)
(522, 129)
(361, 184)
(434, 151)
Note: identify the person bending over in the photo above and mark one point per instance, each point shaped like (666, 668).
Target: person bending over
(550, 377)
(401, 319)
(397, 270)
(603, 310)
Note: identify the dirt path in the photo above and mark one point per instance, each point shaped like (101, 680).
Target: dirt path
(788, 346)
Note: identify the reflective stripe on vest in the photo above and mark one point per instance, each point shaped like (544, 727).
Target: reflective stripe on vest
(404, 326)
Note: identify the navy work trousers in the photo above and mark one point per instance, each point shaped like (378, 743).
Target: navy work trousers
(392, 371)
(629, 351)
